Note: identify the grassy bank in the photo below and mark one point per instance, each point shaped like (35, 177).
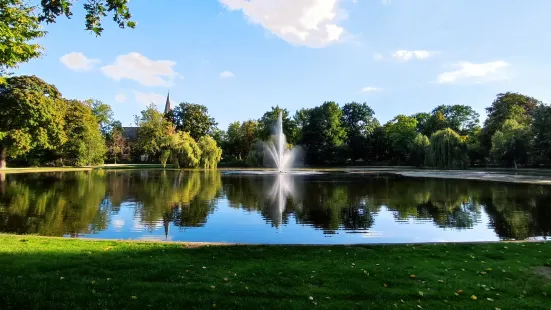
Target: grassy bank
(51, 273)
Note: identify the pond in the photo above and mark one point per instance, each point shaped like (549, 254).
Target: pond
(324, 208)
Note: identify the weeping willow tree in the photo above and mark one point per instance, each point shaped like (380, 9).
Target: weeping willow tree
(186, 151)
(447, 150)
(210, 152)
(420, 145)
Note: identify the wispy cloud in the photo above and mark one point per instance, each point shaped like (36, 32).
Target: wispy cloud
(406, 55)
(369, 89)
(477, 73)
(77, 61)
(226, 75)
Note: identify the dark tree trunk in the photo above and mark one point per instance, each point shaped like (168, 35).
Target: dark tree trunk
(3, 155)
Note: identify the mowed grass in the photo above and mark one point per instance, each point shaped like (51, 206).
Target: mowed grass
(55, 273)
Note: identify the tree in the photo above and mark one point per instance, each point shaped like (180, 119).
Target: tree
(31, 117)
(103, 114)
(192, 118)
(512, 143)
(268, 120)
(20, 25)
(420, 145)
(359, 123)
(323, 134)
(95, 11)
(460, 118)
(85, 144)
(186, 152)
(401, 132)
(541, 130)
(507, 106)
(117, 142)
(152, 128)
(240, 138)
(447, 150)
(18, 28)
(210, 152)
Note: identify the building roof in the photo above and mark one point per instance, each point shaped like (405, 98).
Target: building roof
(168, 108)
(130, 133)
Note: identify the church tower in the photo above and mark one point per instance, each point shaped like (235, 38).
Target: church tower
(168, 108)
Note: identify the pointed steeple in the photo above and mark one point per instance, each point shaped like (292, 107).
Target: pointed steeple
(168, 108)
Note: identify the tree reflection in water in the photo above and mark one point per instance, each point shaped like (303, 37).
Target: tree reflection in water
(76, 203)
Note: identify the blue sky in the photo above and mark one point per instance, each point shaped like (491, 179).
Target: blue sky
(240, 57)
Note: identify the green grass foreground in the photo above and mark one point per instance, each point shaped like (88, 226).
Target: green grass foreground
(53, 273)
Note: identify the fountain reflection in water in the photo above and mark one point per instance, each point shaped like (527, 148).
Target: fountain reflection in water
(276, 149)
(278, 194)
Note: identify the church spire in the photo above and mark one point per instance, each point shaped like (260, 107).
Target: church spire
(168, 108)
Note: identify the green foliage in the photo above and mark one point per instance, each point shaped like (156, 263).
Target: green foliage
(210, 152)
(153, 127)
(31, 116)
(103, 114)
(541, 131)
(420, 145)
(401, 132)
(359, 122)
(507, 106)
(95, 11)
(85, 144)
(186, 152)
(240, 139)
(267, 122)
(447, 150)
(18, 27)
(323, 134)
(192, 118)
(511, 144)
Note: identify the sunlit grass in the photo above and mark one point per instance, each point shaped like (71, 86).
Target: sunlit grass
(37, 272)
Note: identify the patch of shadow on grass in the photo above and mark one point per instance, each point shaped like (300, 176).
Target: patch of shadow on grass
(544, 272)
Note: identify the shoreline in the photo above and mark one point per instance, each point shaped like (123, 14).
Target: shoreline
(518, 176)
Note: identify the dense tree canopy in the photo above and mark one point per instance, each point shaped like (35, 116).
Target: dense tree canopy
(359, 122)
(447, 150)
(192, 118)
(401, 132)
(31, 117)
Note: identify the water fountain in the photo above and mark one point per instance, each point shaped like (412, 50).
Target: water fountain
(276, 151)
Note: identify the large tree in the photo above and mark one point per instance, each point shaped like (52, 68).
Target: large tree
(85, 144)
(323, 134)
(359, 122)
(460, 118)
(511, 144)
(447, 150)
(507, 106)
(192, 118)
(401, 132)
(153, 127)
(210, 152)
(31, 117)
(20, 25)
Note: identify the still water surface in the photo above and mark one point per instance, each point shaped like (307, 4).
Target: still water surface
(229, 207)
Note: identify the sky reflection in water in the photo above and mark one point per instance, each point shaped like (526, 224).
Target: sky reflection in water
(256, 208)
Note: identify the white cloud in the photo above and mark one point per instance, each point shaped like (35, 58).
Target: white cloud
(386, 2)
(483, 72)
(312, 23)
(226, 75)
(120, 97)
(148, 98)
(78, 61)
(378, 56)
(405, 55)
(369, 89)
(134, 66)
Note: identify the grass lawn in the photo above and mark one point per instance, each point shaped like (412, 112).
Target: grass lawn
(54, 273)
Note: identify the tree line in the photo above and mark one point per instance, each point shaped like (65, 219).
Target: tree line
(39, 127)
(515, 132)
